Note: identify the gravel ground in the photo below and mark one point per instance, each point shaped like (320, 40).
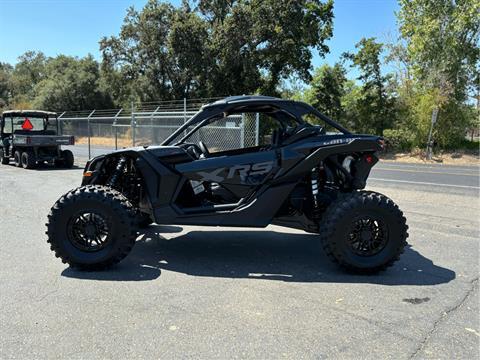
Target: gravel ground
(209, 293)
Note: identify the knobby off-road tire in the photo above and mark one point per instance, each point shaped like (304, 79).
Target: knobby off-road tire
(28, 160)
(84, 216)
(17, 158)
(364, 232)
(4, 159)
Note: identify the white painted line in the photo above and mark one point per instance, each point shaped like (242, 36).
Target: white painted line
(475, 168)
(426, 183)
(426, 172)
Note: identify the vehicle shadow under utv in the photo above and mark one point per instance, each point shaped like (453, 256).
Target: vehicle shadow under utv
(256, 255)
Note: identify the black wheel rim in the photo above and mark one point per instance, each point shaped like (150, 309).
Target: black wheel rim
(89, 231)
(368, 236)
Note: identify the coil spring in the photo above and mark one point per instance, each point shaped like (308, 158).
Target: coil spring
(118, 170)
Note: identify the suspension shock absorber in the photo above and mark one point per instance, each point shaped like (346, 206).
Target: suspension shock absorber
(318, 188)
(118, 171)
(314, 181)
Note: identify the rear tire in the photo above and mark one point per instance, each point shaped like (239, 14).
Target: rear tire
(17, 158)
(4, 159)
(28, 160)
(87, 215)
(67, 159)
(364, 232)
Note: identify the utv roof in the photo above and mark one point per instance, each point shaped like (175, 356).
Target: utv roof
(246, 101)
(29, 113)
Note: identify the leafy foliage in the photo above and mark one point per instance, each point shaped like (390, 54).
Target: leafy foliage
(72, 84)
(5, 78)
(327, 89)
(373, 104)
(219, 48)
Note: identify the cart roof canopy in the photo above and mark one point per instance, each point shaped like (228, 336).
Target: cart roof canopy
(33, 113)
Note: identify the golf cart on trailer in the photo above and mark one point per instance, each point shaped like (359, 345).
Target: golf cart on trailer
(30, 137)
(299, 175)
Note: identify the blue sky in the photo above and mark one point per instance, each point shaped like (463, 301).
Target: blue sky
(74, 27)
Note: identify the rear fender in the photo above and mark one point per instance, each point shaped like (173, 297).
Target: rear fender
(305, 166)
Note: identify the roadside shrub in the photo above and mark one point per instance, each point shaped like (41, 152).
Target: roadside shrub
(464, 144)
(398, 139)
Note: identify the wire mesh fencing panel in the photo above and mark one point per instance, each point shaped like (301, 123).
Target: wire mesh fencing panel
(154, 128)
(232, 132)
(101, 131)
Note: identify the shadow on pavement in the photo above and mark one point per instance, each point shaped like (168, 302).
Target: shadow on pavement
(261, 255)
(45, 167)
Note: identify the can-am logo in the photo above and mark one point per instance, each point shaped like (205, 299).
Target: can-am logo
(243, 171)
(337, 141)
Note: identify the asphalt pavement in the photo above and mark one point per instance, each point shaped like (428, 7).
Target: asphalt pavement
(221, 293)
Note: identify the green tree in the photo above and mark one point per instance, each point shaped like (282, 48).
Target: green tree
(374, 105)
(442, 54)
(5, 79)
(327, 90)
(159, 53)
(28, 72)
(71, 84)
(215, 48)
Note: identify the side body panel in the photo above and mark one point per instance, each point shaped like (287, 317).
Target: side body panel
(264, 179)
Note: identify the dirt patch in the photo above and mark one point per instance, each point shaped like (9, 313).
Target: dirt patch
(461, 157)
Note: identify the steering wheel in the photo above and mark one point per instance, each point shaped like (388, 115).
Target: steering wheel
(204, 149)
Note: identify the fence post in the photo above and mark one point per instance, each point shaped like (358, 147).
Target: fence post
(133, 125)
(154, 131)
(184, 114)
(184, 110)
(257, 128)
(116, 128)
(89, 134)
(242, 131)
(59, 120)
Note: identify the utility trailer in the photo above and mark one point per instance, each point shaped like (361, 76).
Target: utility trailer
(29, 137)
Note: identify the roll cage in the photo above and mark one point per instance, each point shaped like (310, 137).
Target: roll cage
(281, 109)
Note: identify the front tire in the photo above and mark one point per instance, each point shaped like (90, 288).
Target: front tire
(364, 232)
(92, 227)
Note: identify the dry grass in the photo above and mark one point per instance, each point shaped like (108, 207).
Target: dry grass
(110, 142)
(461, 157)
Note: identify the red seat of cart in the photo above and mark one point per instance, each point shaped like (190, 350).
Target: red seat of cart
(27, 125)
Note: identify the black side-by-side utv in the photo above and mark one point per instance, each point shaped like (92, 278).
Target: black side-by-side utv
(298, 175)
(29, 137)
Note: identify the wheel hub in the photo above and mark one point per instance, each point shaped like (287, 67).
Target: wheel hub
(368, 236)
(89, 231)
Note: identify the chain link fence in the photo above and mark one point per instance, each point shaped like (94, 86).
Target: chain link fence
(101, 131)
